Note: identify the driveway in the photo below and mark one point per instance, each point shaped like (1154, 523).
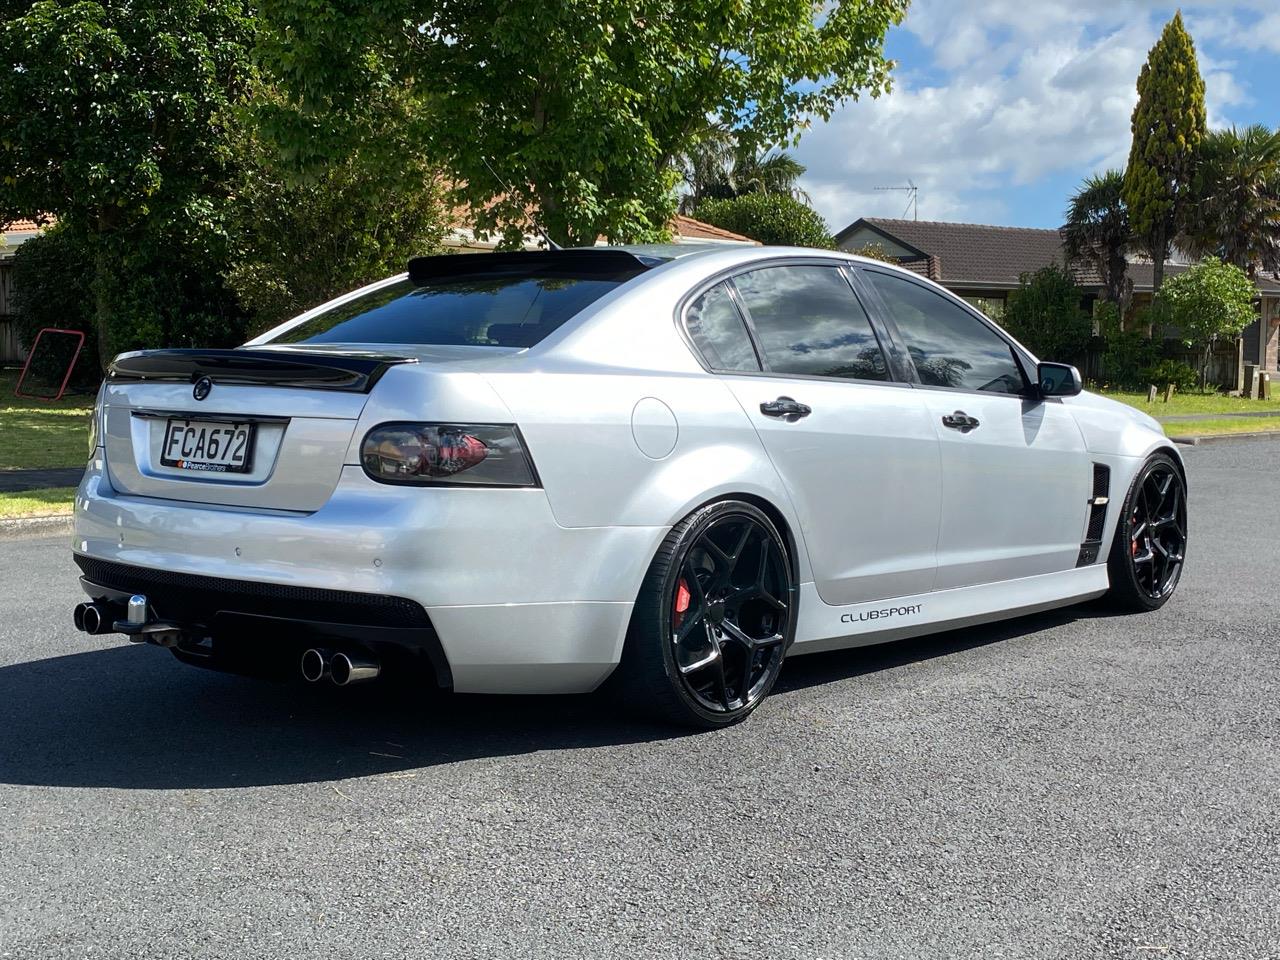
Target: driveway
(1069, 785)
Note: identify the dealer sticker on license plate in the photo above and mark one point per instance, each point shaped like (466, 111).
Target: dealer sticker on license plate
(216, 446)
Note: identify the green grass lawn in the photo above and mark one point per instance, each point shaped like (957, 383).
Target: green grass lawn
(1183, 403)
(40, 435)
(50, 502)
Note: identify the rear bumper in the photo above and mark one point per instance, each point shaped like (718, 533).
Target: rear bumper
(517, 603)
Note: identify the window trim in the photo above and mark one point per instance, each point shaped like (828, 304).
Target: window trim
(1021, 359)
(882, 335)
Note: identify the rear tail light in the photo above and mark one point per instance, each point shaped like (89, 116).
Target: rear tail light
(447, 454)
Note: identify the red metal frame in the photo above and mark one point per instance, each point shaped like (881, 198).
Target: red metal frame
(17, 390)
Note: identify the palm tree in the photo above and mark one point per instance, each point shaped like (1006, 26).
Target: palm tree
(719, 166)
(1097, 231)
(1236, 214)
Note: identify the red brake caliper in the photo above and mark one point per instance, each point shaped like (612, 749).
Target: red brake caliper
(682, 600)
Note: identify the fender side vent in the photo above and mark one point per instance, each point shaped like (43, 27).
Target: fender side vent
(1097, 518)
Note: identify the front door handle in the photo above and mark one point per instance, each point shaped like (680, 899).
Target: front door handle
(786, 409)
(960, 421)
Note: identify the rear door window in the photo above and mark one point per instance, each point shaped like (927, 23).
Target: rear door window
(501, 310)
(808, 321)
(717, 330)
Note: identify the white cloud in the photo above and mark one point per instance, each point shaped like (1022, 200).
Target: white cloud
(1029, 89)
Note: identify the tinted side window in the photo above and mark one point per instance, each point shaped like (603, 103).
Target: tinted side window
(808, 321)
(950, 348)
(716, 328)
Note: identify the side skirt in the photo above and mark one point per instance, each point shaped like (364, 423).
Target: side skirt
(824, 627)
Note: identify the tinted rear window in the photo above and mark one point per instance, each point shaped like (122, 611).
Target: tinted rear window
(503, 310)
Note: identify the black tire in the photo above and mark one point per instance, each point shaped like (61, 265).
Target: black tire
(711, 663)
(1150, 545)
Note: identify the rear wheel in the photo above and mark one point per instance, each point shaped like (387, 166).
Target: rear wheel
(713, 620)
(1150, 544)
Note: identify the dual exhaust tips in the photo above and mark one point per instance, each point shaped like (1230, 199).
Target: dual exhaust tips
(95, 617)
(342, 668)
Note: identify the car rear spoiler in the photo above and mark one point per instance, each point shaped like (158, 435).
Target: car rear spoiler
(277, 368)
(574, 262)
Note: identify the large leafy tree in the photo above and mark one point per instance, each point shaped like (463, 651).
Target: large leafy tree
(114, 117)
(1236, 215)
(1097, 231)
(577, 109)
(1168, 125)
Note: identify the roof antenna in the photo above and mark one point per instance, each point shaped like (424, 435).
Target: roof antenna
(912, 193)
(551, 244)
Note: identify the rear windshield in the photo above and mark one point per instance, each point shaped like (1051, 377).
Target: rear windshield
(494, 310)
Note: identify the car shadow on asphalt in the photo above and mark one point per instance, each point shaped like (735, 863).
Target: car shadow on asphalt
(131, 717)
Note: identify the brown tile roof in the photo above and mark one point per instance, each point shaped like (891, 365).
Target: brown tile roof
(692, 229)
(20, 226)
(977, 255)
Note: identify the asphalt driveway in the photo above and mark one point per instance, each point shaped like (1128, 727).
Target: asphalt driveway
(1068, 785)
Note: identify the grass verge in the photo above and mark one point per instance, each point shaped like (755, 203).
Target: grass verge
(1194, 403)
(49, 502)
(35, 435)
(1216, 428)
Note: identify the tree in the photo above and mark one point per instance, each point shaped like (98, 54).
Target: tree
(1168, 125)
(1097, 231)
(115, 117)
(1208, 302)
(771, 218)
(300, 242)
(1045, 314)
(875, 251)
(575, 110)
(718, 168)
(1236, 214)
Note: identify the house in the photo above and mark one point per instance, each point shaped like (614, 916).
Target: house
(12, 236)
(982, 264)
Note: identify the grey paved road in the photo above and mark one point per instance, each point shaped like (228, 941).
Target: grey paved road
(1070, 785)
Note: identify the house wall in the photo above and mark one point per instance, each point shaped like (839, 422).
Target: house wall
(11, 351)
(864, 235)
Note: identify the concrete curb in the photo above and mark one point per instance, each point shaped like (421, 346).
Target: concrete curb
(20, 528)
(1195, 440)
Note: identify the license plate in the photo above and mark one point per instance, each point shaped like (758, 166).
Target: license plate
(212, 446)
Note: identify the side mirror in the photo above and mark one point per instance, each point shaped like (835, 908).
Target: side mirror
(1058, 380)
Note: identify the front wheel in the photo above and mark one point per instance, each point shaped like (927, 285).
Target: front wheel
(1150, 544)
(714, 618)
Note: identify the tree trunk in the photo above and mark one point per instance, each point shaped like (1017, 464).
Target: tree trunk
(1159, 250)
(102, 303)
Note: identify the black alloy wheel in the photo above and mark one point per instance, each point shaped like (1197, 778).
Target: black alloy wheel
(714, 619)
(1150, 546)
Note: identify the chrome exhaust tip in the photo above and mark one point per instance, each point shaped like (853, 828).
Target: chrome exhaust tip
(78, 616)
(316, 664)
(348, 668)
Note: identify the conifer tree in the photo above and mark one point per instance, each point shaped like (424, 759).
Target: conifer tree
(1168, 125)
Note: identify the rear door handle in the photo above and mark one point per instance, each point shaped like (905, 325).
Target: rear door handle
(786, 409)
(960, 421)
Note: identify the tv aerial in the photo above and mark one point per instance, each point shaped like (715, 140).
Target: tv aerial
(913, 193)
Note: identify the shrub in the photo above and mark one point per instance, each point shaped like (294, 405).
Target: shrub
(771, 218)
(1181, 375)
(1207, 302)
(1045, 314)
(875, 251)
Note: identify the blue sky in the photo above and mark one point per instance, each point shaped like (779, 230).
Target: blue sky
(1001, 107)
